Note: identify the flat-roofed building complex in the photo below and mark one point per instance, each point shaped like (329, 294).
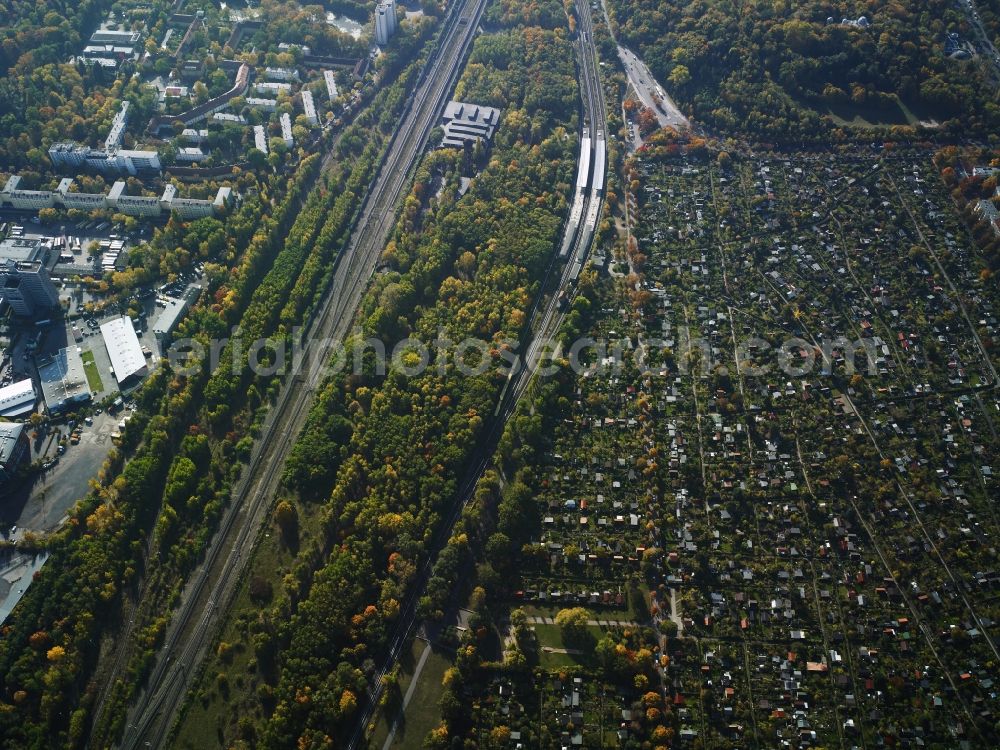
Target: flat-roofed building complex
(114, 139)
(192, 70)
(70, 154)
(189, 155)
(21, 250)
(121, 38)
(64, 380)
(135, 162)
(197, 137)
(127, 360)
(385, 22)
(281, 74)
(112, 159)
(331, 85)
(27, 288)
(131, 205)
(110, 48)
(32, 200)
(286, 129)
(193, 208)
(466, 123)
(309, 107)
(168, 319)
(222, 199)
(14, 450)
(17, 399)
(260, 138)
(272, 88)
(66, 198)
(229, 117)
(24, 279)
(116, 161)
(266, 105)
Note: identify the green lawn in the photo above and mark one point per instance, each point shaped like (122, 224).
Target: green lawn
(94, 382)
(422, 714)
(850, 114)
(210, 719)
(551, 636)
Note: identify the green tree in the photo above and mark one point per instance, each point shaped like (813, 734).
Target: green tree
(573, 624)
(287, 518)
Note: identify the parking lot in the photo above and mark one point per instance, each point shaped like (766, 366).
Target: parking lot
(42, 502)
(42, 505)
(73, 257)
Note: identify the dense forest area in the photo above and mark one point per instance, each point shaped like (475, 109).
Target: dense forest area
(36, 33)
(989, 14)
(775, 69)
(42, 98)
(383, 454)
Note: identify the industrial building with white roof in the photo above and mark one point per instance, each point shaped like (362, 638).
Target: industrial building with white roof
(64, 380)
(127, 360)
(17, 399)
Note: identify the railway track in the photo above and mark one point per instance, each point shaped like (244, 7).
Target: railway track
(552, 315)
(521, 375)
(191, 629)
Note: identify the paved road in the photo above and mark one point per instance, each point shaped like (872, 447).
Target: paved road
(986, 48)
(651, 93)
(675, 612)
(55, 491)
(410, 690)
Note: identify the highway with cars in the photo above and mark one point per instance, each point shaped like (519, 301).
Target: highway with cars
(213, 586)
(651, 93)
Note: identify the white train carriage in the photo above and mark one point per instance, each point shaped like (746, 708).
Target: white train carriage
(600, 164)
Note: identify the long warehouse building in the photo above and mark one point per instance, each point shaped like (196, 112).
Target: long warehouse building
(17, 399)
(127, 360)
(115, 200)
